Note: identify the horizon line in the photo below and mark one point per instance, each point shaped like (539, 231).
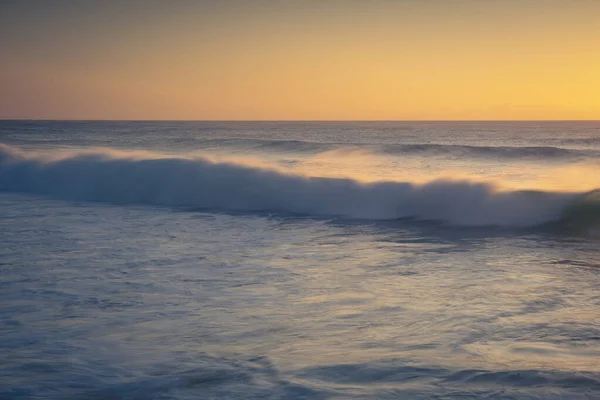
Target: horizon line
(292, 120)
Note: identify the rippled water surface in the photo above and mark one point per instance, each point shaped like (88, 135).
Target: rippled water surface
(135, 276)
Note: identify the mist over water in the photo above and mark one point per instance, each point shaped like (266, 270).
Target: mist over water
(111, 176)
(299, 260)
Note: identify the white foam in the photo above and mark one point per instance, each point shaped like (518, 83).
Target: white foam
(112, 176)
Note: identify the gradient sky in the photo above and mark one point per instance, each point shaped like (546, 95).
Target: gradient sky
(300, 59)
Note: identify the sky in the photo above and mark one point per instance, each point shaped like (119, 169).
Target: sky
(300, 59)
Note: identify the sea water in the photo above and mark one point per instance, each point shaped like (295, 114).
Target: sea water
(299, 260)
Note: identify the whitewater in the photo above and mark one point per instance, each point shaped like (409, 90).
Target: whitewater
(300, 260)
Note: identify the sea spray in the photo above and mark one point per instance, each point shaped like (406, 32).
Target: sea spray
(120, 177)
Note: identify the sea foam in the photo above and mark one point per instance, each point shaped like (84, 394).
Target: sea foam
(120, 177)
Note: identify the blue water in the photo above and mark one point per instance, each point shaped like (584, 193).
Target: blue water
(188, 260)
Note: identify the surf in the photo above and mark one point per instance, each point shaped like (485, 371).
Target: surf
(106, 175)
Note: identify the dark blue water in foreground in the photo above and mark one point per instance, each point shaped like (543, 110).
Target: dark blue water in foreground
(166, 260)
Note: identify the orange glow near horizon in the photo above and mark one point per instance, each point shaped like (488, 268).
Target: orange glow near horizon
(301, 60)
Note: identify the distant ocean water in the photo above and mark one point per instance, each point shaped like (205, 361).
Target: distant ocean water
(299, 260)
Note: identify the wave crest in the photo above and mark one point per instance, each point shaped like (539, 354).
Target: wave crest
(112, 176)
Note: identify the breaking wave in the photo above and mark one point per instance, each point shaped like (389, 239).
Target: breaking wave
(122, 177)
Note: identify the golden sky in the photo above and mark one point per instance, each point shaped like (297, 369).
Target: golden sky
(300, 59)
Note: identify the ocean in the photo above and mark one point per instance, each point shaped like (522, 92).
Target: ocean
(299, 260)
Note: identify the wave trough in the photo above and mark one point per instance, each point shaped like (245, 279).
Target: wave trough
(121, 177)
